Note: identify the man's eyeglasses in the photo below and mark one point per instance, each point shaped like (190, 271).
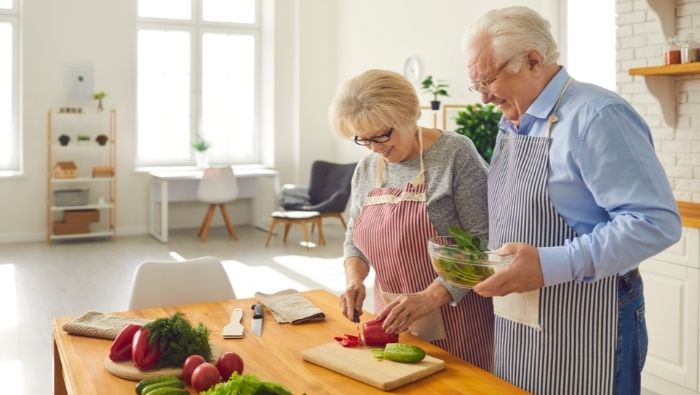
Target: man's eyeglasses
(376, 139)
(484, 86)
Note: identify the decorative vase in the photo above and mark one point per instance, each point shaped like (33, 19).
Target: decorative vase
(102, 139)
(202, 159)
(64, 139)
(435, 105)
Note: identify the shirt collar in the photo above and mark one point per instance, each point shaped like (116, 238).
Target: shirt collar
(544, 103)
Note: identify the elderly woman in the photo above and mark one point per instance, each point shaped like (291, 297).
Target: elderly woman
(579, 198)
(414, 184)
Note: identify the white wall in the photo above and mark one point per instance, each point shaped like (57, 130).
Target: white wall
(382, 34)
(317, 45)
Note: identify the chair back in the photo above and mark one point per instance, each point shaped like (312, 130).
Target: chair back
(218, 185)
(179, 282)
(328, 178)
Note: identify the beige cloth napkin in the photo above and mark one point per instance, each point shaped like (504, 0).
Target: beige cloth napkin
(94, 324)
(290, 306)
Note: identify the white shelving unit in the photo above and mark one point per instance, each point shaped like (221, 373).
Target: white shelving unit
(85, 155)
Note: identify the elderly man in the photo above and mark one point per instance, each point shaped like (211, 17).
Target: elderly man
(578, 197)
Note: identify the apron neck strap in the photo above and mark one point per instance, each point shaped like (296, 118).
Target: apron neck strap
(417, 180)
(553, 116)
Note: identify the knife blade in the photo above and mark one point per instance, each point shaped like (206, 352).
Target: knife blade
(257, 321)
(356, 319)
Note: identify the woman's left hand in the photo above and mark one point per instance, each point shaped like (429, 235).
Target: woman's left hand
(404, 310)
(408, 308)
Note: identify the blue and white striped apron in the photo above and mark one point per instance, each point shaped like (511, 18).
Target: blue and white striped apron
(573, 351)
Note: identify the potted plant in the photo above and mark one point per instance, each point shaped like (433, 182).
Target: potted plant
(64, 139)
(435, 88)
(479, 122)
(200, 147)
(99, 96)
(102, 139)
(83, 139)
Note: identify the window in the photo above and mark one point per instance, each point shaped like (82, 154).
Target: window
(198, 74)
(10, 139)
(591, 47)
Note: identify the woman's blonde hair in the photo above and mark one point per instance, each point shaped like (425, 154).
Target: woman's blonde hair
(372, 101)
(514, 31)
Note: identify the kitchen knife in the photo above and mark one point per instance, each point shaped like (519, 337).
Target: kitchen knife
(257, 320)
(356, 319)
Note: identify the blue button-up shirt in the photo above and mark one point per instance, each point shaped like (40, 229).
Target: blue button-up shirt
(604, 180)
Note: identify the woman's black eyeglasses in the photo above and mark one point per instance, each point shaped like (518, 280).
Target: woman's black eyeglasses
(377, 139)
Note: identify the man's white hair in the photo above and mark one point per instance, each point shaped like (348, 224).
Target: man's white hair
(514, 31)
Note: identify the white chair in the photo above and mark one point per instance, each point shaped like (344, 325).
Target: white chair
(158, 283)
(217, 187)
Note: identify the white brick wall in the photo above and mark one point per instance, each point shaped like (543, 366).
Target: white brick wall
(640, 43)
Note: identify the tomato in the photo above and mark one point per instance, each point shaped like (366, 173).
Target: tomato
(374, 334)
(121, 347)
(190, 364)
(205, 376)
(144, 355)
(228, 363)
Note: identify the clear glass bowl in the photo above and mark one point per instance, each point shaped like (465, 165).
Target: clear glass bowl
(460, 267)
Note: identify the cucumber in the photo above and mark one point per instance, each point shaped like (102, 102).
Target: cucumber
(147, 390)
(152, 380)
(400, 352)
(169, 391)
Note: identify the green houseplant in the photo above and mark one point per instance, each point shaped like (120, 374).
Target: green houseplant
(435, 88)
(200, 147)
(479, 122)
(99, 96)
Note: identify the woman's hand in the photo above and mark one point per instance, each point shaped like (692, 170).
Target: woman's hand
(352, 300)
(406, 309)
(356, 270)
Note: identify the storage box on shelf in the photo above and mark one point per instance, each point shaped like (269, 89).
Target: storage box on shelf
(80, 178)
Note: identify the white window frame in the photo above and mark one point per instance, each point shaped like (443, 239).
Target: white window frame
(12, 17)
(196, 27)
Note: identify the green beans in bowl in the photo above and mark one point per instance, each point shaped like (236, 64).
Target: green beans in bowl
(461, 267)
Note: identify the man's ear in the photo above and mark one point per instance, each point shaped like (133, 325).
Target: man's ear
(534, 61)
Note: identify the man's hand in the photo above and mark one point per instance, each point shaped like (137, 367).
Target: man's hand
(523, 274)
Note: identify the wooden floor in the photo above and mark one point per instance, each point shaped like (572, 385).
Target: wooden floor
(40, 281)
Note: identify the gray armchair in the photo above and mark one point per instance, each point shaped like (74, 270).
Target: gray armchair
(328, 191)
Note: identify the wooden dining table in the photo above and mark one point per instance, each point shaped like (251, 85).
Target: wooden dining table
(274, 356)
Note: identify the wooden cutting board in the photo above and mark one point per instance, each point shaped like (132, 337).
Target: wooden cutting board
(127, 370)
(359, 364)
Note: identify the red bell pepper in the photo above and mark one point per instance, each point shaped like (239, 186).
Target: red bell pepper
(375, 335)
(121, 347)
(145, 355)
(348, 340)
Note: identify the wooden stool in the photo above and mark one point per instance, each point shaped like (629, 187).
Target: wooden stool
(303, 218)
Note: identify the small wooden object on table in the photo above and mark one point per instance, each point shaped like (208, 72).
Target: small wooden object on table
(65, 169)
(303, 218)
(102, 171)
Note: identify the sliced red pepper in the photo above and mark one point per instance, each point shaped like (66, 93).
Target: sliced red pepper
(145, 355)
(348, 340)
(121, 347)
(375, 335)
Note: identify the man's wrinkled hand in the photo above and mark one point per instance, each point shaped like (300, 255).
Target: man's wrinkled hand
(522, 274)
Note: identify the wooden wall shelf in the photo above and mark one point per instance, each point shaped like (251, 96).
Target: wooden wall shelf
(672, 69)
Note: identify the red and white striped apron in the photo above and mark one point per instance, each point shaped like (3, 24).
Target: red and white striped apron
(392, 231)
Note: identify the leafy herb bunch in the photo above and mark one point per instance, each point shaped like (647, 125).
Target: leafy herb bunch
(178, 340)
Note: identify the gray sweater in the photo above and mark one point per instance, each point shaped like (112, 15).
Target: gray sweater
(455, 176)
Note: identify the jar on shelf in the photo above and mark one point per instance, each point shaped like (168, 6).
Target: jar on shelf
(672, 52)
(689, 50)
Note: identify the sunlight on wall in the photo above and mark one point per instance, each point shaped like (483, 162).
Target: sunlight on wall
(591, 41)
(11, 377)
(8, 296)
